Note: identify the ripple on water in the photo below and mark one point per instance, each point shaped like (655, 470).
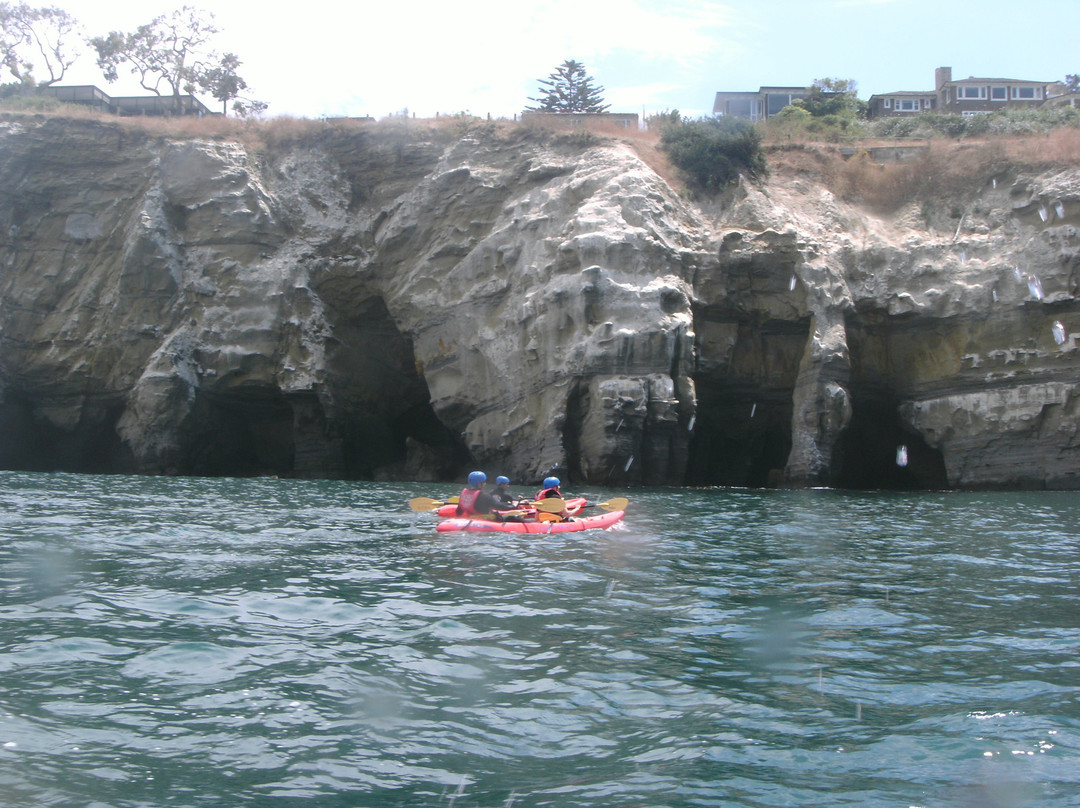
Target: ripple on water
(319, 644)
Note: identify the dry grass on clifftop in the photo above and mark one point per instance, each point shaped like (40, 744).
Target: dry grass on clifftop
(946, 170)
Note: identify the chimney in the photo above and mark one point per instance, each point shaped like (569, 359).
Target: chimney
(942, 76)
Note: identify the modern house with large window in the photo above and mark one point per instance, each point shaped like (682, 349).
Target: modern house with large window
(757, 106)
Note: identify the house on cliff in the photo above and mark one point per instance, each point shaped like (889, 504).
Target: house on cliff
(759, 105)
(963, 97)
(968, 96)
(901, 104)
(91, 96)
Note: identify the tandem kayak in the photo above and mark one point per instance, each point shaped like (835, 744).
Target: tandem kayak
(601, 520)
(449, 510)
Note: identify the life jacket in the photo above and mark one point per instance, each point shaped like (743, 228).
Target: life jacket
(547, 493)
(467, 502)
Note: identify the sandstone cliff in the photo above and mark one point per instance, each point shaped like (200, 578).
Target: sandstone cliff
(397, 302)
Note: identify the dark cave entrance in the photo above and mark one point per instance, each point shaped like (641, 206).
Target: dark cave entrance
(747, 367)
(881, 347)
(250, 431)
(242, 432)
(29, 442)
(866, 456)
(373, 419)
(385, 421)
(740, 439)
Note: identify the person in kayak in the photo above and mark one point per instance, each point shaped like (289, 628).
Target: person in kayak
(551, 490)
(503, 494)
(475, 501)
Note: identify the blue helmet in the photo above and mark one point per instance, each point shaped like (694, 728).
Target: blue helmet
(551, 482)
(500, 480)
(477, 478)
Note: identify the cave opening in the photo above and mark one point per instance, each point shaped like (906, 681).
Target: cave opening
(30, 442)
(747, 367)
(245, 431)
(877, 452)
(739, 440)
(384, 416)
(884, 352)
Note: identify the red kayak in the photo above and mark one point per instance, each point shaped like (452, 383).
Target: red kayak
(450, 509)
(601, 520)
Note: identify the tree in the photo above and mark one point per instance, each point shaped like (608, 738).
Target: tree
(33, 38)
(222, 81)
(1072, 82)
(569, 89)
(831, 97)
(172, 51)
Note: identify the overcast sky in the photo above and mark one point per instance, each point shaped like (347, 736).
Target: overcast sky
(327, 57)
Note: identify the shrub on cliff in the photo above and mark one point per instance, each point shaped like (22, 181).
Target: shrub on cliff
(713, 152)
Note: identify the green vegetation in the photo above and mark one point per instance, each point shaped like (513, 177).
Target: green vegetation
(14, 97)
(833, 98)
(569, 89)
(831, 112)
(713, 152)
(1009, 121)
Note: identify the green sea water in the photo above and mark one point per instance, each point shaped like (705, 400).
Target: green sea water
(227, 642)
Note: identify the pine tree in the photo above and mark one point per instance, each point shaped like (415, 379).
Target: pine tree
(569, 89)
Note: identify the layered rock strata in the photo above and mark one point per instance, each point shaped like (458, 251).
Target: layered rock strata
(398, 303)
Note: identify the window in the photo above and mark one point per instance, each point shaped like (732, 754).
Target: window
(926, 103)
(906, 105)
(1027, 93)
(968, 93)
(888, 103)
(998, 94)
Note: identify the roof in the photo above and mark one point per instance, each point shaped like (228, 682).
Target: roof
(974, 80)
(908, 93)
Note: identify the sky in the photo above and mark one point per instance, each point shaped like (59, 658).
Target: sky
(485, 57)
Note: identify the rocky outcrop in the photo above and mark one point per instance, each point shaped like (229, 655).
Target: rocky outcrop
(396, 302)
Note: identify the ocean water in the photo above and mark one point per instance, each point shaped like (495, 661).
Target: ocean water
(228, 642)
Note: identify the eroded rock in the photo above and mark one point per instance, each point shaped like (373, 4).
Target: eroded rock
(405, 305)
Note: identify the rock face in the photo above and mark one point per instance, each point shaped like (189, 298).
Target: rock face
(402, 303)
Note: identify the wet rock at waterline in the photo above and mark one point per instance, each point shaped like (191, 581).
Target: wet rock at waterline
(399, 302)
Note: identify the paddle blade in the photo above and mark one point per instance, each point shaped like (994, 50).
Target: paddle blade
(614, 504)
(550, 505)
(421, 504)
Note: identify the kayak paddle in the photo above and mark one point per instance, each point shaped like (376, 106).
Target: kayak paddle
(613, 504)
(550, 505)
(421, 504)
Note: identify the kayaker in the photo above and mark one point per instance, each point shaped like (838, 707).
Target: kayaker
(551, 490)
(475, 501)
(502, 492)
